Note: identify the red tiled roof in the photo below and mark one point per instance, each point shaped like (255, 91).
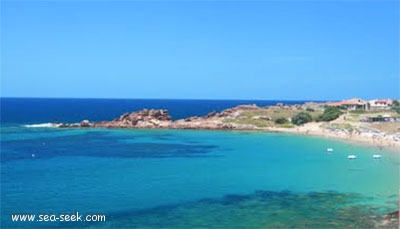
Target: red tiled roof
(382, 101)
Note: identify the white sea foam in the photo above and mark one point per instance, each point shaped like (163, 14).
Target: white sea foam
(42, 125)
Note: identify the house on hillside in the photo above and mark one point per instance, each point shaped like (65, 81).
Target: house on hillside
(352, 104)
(380, 104)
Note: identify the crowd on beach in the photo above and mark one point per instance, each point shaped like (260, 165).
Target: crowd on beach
(363, 135)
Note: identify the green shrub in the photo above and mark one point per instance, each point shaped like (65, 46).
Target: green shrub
(396, 106)
(286, 125)
(359, 112)
(330, 113)
(301, 118)
(310, 109)
(281, 120)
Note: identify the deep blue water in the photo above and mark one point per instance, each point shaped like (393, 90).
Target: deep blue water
(184, 178)
(41, 110)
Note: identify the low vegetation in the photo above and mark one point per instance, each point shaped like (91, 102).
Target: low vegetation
(281, 120)
(396, 106)
(292, 116)
(342, 126)
(360, 112)
(330, 113)
(273, 116)
(286, 125)
(301, 118)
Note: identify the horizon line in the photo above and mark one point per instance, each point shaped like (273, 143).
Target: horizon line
(213, 99)
(119, 98)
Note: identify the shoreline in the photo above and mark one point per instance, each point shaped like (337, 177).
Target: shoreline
(253, 118)
(358, 140)
(386, 144)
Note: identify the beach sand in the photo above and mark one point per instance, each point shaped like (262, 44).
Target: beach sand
(380, 140)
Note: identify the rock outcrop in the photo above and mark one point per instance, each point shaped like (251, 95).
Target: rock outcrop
(85, 123)
(242, 117)
(392, 215)
(160, 119)
(141, 119)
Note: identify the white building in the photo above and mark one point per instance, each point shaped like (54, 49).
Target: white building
(351, 104)
(380, 104)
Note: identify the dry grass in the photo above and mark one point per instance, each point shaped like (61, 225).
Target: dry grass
(344, 126)
(264, 117)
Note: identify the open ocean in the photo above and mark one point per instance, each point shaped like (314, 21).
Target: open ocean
(184, 178)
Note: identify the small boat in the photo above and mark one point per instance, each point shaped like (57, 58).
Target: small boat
(352, 157)
(377, 156)
(329, 150)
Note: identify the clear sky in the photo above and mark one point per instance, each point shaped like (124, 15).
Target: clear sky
(200, 49)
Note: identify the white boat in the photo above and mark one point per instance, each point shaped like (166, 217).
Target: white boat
(377, 156)
(352, 157)
(329, 150)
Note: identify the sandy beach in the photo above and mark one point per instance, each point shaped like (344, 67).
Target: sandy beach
(381, 140)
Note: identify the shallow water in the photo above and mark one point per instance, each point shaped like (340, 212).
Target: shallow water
(182, 178)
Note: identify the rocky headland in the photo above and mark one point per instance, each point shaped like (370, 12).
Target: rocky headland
(251, 117)
(161, 119)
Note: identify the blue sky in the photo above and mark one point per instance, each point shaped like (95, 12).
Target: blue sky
(200, 49)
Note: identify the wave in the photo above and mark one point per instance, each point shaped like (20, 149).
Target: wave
(43, 125)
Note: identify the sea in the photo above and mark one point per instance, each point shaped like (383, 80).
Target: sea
(142, 178)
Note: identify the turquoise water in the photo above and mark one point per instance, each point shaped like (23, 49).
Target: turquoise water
(182, 178)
